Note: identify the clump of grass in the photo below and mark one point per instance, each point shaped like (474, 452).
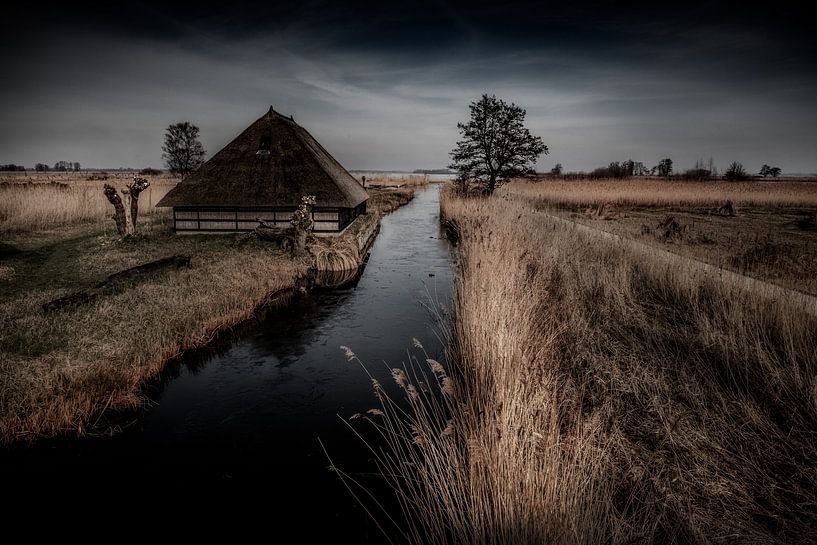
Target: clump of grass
(342, 255)
(670, 229)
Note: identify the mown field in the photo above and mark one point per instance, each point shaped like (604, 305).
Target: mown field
(601, 390)
(63, 371)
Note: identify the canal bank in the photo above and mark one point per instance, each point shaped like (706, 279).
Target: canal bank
(249, 416)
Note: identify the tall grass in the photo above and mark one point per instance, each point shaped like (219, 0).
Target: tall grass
(383, 180)
(37, 206)
(599, 394)
(640, 191)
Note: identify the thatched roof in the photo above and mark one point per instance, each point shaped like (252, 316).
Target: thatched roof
(273, 162)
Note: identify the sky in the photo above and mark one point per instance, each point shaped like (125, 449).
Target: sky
(382, 85)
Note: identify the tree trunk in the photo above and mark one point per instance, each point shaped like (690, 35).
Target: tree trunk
(119, 209)
(117, 281)
(489, 189)
(300, 242)
(138, 185)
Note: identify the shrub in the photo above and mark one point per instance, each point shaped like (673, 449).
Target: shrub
(736, 172)
(697, 174)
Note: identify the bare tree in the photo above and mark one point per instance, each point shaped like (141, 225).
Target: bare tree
(495, 145)
(183, 152)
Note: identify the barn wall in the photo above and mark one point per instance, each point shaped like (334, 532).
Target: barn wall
(211, 220)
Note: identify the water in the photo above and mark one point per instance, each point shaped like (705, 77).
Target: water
(248, 419)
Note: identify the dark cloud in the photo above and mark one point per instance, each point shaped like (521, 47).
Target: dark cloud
(384, 87)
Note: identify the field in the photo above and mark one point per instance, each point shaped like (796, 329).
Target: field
(64, 371)
(38, 202)
(602, 390)
(770, 234)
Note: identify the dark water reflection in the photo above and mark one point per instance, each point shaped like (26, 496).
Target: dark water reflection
(248, 419)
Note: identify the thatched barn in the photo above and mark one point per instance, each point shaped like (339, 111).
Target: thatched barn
(263, 174)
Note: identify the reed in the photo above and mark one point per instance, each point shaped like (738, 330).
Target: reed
(598, 392)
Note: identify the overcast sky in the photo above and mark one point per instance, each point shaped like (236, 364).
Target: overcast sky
(384, 87)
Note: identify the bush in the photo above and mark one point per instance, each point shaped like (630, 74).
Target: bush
(736, 172)
(150, 172)
(613, 170)
(697, 174)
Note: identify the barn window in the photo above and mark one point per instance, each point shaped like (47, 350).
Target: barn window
(264, 145)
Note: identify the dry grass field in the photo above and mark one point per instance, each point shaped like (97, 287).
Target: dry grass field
(658, 192)
(42, 201)
(63, 371)
(772, 235)
(599, 392)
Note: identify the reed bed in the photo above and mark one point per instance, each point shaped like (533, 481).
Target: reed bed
(51, 203)
(414, 181)
(651, 192)
(597, 393)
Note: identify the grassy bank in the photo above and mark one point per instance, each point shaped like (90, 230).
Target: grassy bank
(61, 370)
(599, 394)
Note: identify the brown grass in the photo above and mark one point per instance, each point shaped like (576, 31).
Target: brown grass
(652, 192)
(61, 370)
(768, 237)
(599, 393)
(51, 201)
(396, 181)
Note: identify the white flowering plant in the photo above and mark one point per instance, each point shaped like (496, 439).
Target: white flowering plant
(302, 217)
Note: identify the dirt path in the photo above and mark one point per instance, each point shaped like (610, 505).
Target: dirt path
(765, 289)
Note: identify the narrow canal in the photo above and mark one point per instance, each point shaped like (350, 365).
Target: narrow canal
(248, 419)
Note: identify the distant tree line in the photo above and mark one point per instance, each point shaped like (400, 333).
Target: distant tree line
(59, 166)
(702, 171)
(11, 167)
